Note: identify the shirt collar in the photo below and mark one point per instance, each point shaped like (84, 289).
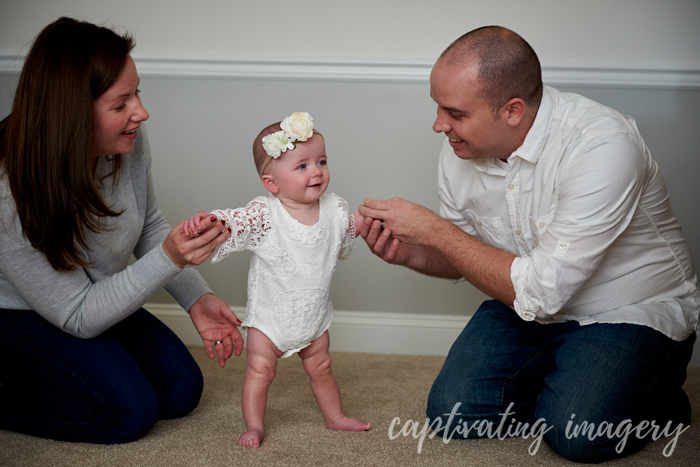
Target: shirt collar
(532, 147)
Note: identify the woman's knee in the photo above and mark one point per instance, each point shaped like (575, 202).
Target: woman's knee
(128, 420)
(114, 415)
(183, 394)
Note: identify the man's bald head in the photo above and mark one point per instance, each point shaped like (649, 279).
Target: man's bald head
(507, 66)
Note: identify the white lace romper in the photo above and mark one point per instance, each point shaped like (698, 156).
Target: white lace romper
(291, 268)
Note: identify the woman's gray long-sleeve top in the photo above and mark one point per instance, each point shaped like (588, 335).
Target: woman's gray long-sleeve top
(87, 301)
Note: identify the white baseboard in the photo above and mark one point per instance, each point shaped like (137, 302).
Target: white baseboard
(361, 331)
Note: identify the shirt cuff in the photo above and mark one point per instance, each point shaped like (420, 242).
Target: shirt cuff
(525, 306)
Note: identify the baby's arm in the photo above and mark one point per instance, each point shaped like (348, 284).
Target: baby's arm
(194, 224)
(358, 221)
(248, 225)
(347, 243)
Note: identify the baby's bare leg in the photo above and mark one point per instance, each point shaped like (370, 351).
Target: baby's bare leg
(317, 364)
(261, 364)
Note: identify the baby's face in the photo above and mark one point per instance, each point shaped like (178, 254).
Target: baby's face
(302, 174)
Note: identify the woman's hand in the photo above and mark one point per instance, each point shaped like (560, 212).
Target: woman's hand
(217, 325)
(193, 226)
(185, 249)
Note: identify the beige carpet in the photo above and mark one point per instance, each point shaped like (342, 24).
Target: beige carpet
(376, 388)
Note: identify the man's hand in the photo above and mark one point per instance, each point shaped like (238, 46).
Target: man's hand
(215, 322)
(381, 242)
(408, 222)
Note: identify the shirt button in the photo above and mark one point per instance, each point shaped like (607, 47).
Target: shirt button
(541, 225)
(479, 222)
(511, 186)
(517, 232)
(562, 245)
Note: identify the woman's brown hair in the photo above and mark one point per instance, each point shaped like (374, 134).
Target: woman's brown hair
(47, 142)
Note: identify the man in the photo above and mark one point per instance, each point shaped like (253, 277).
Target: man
(552, 205)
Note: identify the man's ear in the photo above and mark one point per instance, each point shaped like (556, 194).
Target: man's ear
(269, 183)
(514, 111)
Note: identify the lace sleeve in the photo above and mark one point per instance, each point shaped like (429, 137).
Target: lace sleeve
(249, 227)
(349, 239)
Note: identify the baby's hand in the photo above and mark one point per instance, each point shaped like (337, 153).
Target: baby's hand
(358, 220)
(194, 224)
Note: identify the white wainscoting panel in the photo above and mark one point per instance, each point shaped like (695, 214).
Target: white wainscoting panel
(386, 72)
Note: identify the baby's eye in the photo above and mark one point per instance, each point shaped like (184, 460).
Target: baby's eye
(322, 163)
(302, 166)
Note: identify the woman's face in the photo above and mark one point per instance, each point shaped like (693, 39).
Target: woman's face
(118, 113)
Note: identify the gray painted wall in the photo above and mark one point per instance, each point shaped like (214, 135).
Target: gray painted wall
(378, 134)
(380, 145)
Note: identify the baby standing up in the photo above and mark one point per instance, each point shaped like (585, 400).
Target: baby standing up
(296, 237)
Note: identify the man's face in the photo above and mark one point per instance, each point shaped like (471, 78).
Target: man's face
(473, 129)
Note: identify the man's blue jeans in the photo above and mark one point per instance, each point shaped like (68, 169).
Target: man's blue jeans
(106, 390)
(566, 374)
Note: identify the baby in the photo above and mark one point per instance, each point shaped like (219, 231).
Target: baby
(296, 237)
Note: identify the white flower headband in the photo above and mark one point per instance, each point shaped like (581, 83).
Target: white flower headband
(297, 127)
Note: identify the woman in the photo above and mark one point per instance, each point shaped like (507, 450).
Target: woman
(79, 359)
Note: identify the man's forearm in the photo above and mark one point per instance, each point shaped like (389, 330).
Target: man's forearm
(429, 261)
(485, 267)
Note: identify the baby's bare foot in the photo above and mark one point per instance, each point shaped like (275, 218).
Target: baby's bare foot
(348, 424)
(251, 438)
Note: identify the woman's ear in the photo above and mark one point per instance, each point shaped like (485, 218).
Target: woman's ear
(269, 183)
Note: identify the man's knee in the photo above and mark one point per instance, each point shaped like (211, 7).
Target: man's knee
(593, 443)
(458, 416)
(439, 404)
(585, 432)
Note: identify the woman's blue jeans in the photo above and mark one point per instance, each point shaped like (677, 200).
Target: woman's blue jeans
(566, 374)
(109, 389)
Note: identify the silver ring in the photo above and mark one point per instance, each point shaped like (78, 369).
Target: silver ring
(217, 342)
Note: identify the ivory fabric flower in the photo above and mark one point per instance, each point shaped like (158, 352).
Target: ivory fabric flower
(276, 143)
(299, 126)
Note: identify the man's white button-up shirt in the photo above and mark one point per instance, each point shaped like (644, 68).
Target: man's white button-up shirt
(584, 208)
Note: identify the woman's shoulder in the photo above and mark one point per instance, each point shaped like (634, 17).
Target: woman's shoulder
(8, 209)
(11, 237)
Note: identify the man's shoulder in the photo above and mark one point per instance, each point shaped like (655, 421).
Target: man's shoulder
(585, 115)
